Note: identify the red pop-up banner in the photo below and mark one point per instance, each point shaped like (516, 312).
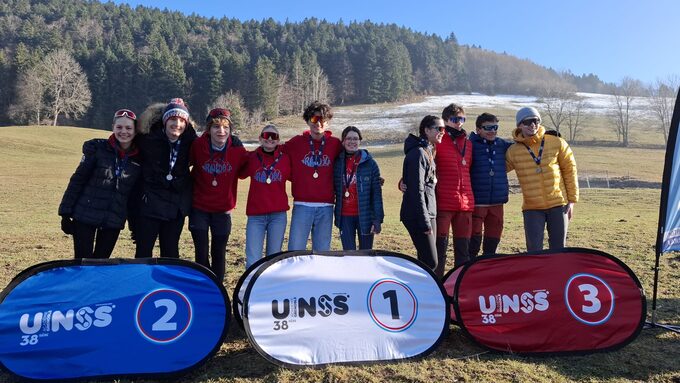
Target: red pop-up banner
(558, 302)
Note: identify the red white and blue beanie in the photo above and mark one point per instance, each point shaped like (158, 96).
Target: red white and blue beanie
(176, 108)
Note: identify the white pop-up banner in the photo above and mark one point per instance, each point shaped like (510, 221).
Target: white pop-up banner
(310, 309)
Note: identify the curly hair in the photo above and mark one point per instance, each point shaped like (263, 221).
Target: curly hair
(317, 107)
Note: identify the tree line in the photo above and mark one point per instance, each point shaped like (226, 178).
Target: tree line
(133, 57)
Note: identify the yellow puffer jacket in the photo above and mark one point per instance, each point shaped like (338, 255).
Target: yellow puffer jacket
(556, 184)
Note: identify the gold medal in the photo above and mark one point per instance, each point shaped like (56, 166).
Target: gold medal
(269, 180)
(315, 175)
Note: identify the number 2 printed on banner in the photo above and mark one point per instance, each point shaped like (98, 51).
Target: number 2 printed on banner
(163, 315)
(163, 323)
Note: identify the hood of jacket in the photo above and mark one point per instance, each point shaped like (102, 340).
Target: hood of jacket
(326, 133)
(413, 142)
(151, 120)
(365, 155)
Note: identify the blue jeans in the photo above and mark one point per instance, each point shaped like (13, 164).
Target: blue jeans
(349, 229)
(274, 225)
(317, 220)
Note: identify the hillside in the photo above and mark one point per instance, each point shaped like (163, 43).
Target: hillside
(129, 58)
(38, 161)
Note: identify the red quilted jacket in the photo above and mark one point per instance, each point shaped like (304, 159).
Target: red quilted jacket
(454, 189)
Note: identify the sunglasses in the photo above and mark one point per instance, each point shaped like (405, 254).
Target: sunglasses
(270, 136)
(125, 113)
(439, 128)
(489, 128)
(218, 112)
(316, 119)
(456, 119)
(530, 121)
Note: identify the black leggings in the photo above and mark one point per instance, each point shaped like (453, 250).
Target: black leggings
(424, 243)
(84, 240)
(167, 232)
(219, 225)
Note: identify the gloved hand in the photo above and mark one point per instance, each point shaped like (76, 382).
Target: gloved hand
(67, 225)
(377, 227)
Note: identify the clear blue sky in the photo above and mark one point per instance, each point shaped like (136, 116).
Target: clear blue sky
(610, 38)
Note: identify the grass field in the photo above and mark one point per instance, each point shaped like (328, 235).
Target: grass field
(38, 161)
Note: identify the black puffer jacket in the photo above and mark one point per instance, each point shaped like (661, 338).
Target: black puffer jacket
(95, 196)
(162, 198)
(419, 204)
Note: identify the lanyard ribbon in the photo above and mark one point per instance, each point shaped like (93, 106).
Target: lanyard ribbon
(537, 160)
(462, 153)
(317, 155)
(269, 169)
(348, 180)
(491, 153)
(213, 169)
(174, 151)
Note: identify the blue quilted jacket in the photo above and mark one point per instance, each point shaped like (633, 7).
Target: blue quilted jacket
(489, 188)
(368, 189)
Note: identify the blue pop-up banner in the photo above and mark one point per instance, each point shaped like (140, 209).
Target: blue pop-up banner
(83, 319)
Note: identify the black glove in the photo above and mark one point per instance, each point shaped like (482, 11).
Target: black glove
(377, 228)
(67, 225)
(553, 132)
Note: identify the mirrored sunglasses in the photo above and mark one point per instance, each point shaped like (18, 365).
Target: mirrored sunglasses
(270, 136)
(489, 128)
(125, 113)
(439, 128)
(316, 119)
(530, 121)
(456, 119)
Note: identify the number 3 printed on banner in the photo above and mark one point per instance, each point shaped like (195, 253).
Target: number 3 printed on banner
(589, 299)
(590, 296)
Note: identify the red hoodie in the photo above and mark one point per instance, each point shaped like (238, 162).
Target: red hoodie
(211, 166)
(306, 188)
(263, 197)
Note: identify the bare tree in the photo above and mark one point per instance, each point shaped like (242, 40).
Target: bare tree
(66, 88)
(30, 92)
(662, 96)
(624, 98)
(556, 100)
(574, 113)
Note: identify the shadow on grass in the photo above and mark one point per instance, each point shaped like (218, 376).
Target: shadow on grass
(653, 355)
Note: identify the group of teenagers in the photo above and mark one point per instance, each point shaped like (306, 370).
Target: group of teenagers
(155, 170)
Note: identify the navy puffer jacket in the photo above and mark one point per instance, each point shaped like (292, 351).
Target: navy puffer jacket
(95, 195)
(489, 187)
(369, 191)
